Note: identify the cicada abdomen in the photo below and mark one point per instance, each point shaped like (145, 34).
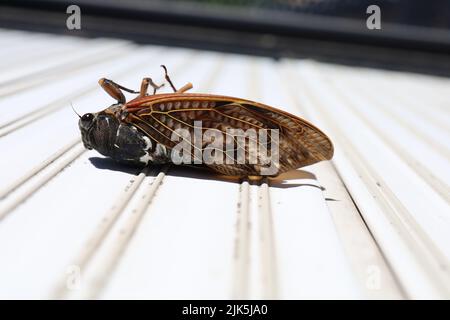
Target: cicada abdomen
(229, 135)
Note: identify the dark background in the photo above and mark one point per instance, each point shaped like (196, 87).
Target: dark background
(415, 34)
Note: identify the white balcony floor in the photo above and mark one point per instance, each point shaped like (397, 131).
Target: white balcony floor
(372, 223)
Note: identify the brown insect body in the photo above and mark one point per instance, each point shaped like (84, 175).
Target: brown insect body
(149, 124)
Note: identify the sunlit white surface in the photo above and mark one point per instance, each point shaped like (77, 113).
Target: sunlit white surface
(372, 223)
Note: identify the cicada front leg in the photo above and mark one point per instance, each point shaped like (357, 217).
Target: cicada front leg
(114, 89)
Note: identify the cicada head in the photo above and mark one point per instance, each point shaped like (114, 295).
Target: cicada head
(104, 132)
(98, 131)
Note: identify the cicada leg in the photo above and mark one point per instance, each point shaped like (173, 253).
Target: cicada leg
(185, 88)
(114, 89)
(144, 87)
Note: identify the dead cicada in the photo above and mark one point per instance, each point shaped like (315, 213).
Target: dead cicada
(229, 135)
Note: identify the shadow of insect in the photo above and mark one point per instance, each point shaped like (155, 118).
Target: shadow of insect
(283, 181)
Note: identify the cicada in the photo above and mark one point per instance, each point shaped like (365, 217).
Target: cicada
(231, 136)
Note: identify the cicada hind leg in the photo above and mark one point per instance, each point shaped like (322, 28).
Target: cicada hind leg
(184, 88)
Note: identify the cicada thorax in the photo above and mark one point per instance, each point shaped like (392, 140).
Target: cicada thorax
(279, 140)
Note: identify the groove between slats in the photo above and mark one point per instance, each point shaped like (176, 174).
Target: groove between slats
(38, 168)
(101, 275)
(424, 113)
(28, 54)
(27, 81)
(265, 233)
(433, 181)
(241, 248)
(52, 172)
(361, 248)
(419, 243)
(361, 89)
(101, 231)
(58, 104)
(123, 237)
(409, 101)
(268, 254)
(360, 245)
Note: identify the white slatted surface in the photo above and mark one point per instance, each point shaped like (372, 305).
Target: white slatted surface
(372, 223)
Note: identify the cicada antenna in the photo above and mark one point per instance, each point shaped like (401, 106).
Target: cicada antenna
(74, 110)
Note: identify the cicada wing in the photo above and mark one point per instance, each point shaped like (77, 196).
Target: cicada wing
(248, 129)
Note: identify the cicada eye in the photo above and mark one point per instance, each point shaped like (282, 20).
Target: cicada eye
(87, 117)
